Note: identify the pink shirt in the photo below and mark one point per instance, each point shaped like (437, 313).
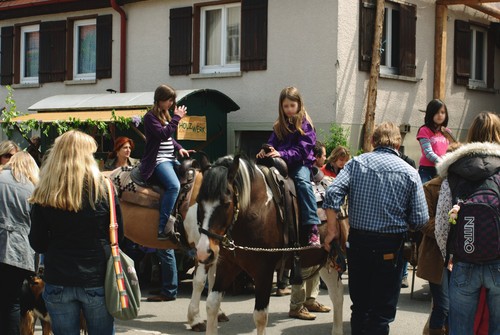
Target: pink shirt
(439, 144)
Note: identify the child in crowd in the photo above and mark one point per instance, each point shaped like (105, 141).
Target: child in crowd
(293, 140)
(336, 161)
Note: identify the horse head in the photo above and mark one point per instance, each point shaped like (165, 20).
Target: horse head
(218, 207)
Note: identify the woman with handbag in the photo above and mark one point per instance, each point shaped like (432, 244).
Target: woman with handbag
(70, 226)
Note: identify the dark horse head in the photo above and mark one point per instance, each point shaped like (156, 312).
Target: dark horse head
(233, 197)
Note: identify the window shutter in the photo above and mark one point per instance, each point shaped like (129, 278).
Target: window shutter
(7, 57)
(52, 60)
(407, 40)
(181, 29)
(104, 41)
(253, 35)
(462, 52)
(490, 58)
(367, 11)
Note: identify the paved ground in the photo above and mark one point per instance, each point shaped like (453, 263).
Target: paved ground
(170, 317)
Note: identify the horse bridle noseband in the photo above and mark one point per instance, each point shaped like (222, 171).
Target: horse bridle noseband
(225, 240)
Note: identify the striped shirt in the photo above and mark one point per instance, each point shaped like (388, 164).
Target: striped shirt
(385, 193)
(166, 151)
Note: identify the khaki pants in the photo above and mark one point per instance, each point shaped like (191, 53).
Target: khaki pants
(308, 291)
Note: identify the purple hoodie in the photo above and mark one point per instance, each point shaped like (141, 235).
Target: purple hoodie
(155, 134)
(296, 149)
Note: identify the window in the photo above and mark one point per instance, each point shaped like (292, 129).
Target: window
(30, 52)
(84, 49)
(221, 37)
(398, 42)
(478, 57)
(474, 55)
(389, 47)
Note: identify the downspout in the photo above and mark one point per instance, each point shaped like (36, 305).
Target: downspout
(123, 43)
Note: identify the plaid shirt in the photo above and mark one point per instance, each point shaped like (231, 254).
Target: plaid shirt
(385, 193)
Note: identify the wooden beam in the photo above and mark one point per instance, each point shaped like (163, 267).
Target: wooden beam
(463, 2)
(440, 52)
(371, 103)
(491, 11)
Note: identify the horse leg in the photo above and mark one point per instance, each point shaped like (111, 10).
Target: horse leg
(194, 319)
(336, 293)
(221, 316)
(263, 286)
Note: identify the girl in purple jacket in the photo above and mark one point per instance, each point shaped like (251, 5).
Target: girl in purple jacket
(293, 140)
(157, 164)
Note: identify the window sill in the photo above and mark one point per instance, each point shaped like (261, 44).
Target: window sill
(80, 82)
(398, 77)
(481, 89)
(27, 85)
(215, 75)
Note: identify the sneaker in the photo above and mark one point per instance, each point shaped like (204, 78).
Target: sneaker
(404, 282)
(162, 236)
(302, 314)
(173, 237)
(317, 307)
(313, 238)
(283, 291)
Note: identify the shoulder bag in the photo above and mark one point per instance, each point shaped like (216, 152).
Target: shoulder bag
(121, 285)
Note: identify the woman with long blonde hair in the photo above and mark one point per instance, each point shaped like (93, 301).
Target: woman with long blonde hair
(17, 181)
(7, 150)
(70, 226)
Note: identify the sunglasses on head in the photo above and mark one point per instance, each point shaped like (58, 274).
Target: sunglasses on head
(7, 156)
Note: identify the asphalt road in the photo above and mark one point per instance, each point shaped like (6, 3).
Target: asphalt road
(170, 317)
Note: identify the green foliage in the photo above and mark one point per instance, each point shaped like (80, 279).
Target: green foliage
(89, 125)
(337, 136)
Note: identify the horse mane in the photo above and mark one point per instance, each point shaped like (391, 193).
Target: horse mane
(215, 180)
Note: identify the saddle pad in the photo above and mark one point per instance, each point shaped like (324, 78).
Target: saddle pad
(132, 192)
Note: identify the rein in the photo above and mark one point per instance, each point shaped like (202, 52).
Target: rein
(227, 242)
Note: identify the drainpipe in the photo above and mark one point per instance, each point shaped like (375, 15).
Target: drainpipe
(123, 43)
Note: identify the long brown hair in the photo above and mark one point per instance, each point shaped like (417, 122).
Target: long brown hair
(163, 93)
(485, 128)
(281, 126)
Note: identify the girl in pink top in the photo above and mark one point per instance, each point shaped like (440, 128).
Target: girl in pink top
(431, 138)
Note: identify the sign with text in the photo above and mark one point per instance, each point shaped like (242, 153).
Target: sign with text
(192, 128)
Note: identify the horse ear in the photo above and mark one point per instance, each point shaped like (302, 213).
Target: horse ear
(233, 169)
(204, 161)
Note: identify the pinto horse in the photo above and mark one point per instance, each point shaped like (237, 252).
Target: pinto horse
(241, 232)
(140, 225)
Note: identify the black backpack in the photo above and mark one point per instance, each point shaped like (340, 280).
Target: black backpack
(475, 238)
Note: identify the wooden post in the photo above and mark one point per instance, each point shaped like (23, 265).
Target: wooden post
(440, 52)
(374, 74)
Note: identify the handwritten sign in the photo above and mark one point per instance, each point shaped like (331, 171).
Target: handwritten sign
(192, 128)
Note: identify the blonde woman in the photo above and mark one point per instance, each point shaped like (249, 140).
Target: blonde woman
(7, 150)
(70, 226)
(17, 182)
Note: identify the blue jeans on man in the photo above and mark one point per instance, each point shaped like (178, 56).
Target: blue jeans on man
(165, 174)
(464, 289)
(375, 271)
(64, 304)
(440, 302)
(169, 280)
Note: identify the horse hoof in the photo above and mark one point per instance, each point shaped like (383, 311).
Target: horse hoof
(222, 317)
(200, 327)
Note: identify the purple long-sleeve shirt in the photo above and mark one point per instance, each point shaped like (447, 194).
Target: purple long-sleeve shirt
(296, 149)
(155, 134)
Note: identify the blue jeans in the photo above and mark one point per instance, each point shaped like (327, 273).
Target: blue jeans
(465, 285)
(375, 270)
(64, 304)
(166, 176)
(168, 265)
(440, 302)
(426, 173)
(305, 194)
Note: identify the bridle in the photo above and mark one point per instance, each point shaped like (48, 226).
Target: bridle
(225, 240)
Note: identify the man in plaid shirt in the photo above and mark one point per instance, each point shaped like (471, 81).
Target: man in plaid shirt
(386, 199)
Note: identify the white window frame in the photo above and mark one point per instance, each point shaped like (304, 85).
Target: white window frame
(23, 78)
(389, 68)
(76, 47)
(472, 80)
(223, 67)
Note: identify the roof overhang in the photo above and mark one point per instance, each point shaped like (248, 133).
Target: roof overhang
(105, 116)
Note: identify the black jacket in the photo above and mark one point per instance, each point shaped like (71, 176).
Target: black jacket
(75, 244)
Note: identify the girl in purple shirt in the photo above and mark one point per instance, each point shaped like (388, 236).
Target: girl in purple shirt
(293, 140)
